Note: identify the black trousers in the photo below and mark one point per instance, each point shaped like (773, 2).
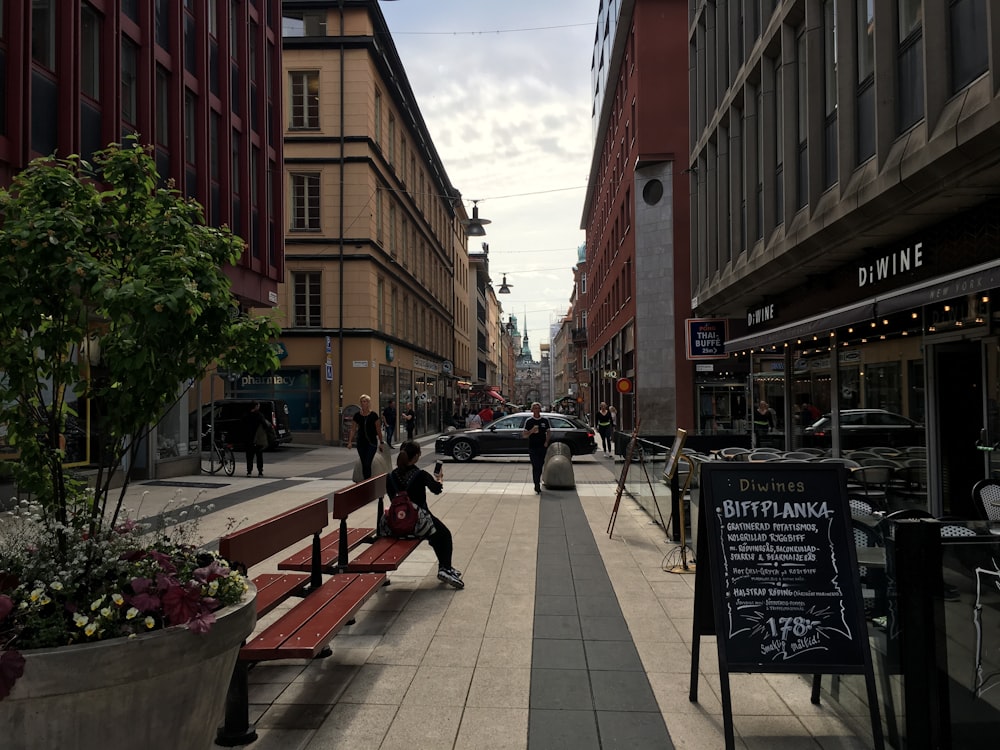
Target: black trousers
(255, 453)
(537, 456)
(441, 543)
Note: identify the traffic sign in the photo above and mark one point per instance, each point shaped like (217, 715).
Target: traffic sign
(623, 385)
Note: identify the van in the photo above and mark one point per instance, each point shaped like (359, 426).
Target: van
(229, 414)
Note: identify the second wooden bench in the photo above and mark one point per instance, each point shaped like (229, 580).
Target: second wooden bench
(321, 608)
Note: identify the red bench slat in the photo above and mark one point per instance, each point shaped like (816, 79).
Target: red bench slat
(274, 588)
(259, 541)
(302, 631)
(350, 499)
(329, 550)
(383, 555)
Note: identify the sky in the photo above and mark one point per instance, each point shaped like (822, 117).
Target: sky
(504, 89)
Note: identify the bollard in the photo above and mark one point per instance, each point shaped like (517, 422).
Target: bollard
(557, 471)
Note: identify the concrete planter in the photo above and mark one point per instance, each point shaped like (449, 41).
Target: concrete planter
(165, 689)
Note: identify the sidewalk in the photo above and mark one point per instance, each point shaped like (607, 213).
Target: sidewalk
(563, 637)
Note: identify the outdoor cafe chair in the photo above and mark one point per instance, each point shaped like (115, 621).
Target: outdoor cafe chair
(986, 499)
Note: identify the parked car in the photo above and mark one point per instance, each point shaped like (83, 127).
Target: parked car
(229, 414)
(865, 428)
(503, 437)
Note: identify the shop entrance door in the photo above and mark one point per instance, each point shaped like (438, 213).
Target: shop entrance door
(958, 409)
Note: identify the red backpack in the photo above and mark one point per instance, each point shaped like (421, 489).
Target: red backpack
(402, 515)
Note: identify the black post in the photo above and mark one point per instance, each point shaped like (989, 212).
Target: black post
(923, 654)
(676, 498)
(237, 729)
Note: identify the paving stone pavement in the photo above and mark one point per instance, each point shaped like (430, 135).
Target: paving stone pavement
(563, 636)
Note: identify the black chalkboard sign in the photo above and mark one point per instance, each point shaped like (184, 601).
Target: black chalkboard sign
(777, 576)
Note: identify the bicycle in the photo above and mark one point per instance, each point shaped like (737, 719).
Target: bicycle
(219, 456)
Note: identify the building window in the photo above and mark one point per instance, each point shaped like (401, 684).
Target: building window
(90, 53)
(830, 172)
(378, 214)
(378, 117)
(778, 134)
(910, 63)
(392, 139)
(866, 80)
(307, 299)
(304, 92)
(970, 55)
(380, 305)
(583, 285)
(305, 202)
(43, 33)
(162, 23)
(162, 107)
(298, 23)
(190, 132)
(802, 124)
(130, 106)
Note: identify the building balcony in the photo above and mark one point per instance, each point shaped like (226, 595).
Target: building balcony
(579, 335)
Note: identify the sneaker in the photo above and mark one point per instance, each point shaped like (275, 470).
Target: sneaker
(447, 575)
(249, 473)
(455, 572)
(538, 490)
(260, 473)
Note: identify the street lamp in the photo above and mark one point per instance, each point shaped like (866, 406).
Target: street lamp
(474, 227)
(504, 286)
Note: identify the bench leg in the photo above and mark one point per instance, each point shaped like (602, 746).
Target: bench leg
(237, 729)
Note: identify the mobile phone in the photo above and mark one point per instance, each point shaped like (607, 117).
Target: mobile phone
(437, 467)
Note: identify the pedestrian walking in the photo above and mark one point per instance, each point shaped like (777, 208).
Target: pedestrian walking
(536, 429)
(389, 421)
(604, 426)
(415, 481)
(256, 437)
(409, 420)
(367, 426)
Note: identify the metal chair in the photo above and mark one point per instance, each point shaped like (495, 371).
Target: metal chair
(873, 482)
(986, 499)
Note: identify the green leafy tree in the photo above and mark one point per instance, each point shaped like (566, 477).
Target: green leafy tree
(104, 252)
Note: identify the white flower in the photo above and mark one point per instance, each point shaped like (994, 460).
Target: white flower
(106, 613)
(132, 613)
(118, 599)
(96, 604)
(56, 586)
(90, 629)
(149, 622)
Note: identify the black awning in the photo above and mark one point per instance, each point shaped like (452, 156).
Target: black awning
(814, 326)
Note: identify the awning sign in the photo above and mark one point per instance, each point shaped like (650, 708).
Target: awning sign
(706, 338)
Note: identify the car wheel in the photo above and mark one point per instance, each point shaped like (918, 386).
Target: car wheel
(462, 451)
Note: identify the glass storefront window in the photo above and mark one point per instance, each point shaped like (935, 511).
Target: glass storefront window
(386, 388)
(298, 387)
(172, 431)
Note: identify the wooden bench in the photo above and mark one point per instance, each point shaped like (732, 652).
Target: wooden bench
(384, 553)
(305, 630)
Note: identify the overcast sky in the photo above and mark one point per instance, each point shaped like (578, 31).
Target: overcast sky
(504, 88)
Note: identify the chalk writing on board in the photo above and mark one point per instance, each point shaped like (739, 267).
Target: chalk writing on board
(782, 572)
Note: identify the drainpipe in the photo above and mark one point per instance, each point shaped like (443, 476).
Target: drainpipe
(337, 421)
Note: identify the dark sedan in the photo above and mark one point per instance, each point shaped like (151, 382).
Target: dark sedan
(503, 438)
(865, 428)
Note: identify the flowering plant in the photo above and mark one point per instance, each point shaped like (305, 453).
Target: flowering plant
(119, 583)
(114, 298)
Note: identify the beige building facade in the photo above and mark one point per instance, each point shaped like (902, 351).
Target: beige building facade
(374, 301)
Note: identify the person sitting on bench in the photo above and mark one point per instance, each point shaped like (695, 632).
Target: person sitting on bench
(408, 476)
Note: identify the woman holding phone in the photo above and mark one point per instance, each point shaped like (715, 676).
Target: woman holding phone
(408, 476)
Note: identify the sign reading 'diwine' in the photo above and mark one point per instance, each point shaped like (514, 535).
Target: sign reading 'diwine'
(777, 576)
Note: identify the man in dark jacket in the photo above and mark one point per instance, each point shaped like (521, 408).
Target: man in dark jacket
(389, 421)
(256, 437)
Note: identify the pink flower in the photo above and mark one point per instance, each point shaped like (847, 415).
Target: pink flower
(211, 572)
(11, 667)
(182, 603)
(201, 623)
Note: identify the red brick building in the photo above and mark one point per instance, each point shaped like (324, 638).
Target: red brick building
(197, 80)
(636, 284)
